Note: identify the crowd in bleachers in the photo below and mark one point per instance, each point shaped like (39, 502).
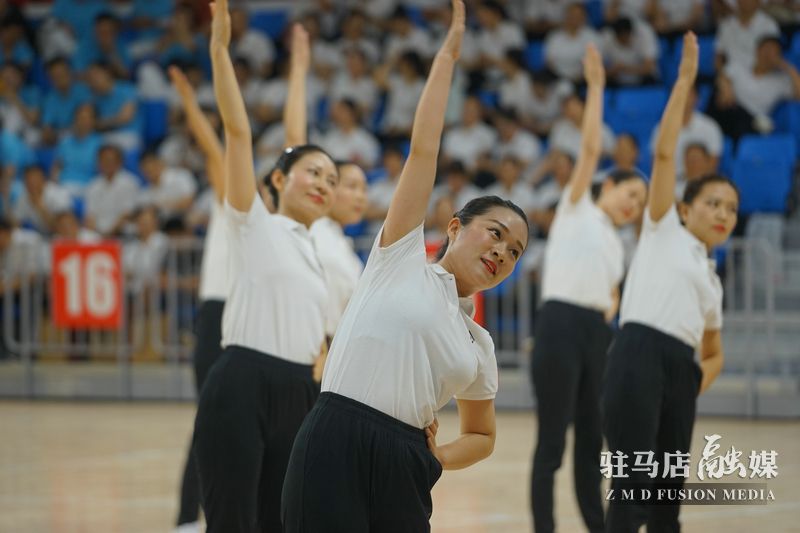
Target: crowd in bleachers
(94, 144)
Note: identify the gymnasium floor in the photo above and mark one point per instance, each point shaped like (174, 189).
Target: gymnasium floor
(114, 467)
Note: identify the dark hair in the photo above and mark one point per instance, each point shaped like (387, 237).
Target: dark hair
(622, 26)
(700, 146)
(149, 153)
(479, 206)
(544, 76)
(495, 6)
(58, 60)
(34, 168)
(616, 176)
(516, 56)
(630, 136)
(113, 148)
(455, 167)
(5, 224)
(695, 187)
(286, 161)
(414, 61)
(105, 16)
(768, 39)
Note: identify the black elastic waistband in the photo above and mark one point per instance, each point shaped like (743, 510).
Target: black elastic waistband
(264, 359)
(588, 312)
(353, 407)
(671, 343)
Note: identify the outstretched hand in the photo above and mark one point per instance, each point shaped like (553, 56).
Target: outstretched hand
(181, 83)
(220, 23)
(301, 50)
(689, 58)
(452, 43)
(593, 71)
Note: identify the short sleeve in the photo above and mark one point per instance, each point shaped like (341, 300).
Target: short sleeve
(566, 207)
(245, 219)
(713, 315)
(485, 385)
(669, 222)
(409, 248)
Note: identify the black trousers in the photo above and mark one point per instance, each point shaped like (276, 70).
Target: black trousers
(250, 409)
(567, 372)
(356, 470)
(649, 399)
(207, 349)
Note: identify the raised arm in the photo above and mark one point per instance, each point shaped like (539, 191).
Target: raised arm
(240, 181)
(202, 131)
(294, 112)
(592, 126)
(410, 201)
(662, 184)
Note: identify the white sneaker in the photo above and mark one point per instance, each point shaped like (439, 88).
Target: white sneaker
(191, 527)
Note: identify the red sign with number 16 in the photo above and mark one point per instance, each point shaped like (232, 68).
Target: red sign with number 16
(87, 285)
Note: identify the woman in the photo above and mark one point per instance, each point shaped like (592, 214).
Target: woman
(213, 276)
(583, 266)
(672, 306)
(273, 328)
(403, 349)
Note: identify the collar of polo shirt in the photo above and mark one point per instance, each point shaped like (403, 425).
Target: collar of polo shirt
(466, 303)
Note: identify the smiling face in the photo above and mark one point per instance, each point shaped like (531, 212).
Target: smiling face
(484, 252)
(623, 202)
(351, 196)
(306, 192)
(712, 214)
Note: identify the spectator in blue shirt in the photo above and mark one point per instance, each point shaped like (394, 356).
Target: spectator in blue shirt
(76, 17)
(106, 47)
(76, 154)
(149, 17)
(116, 106)
(181, 43)
(14, 47)
(61, 100)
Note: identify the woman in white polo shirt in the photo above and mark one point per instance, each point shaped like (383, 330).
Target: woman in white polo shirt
(213, 276)
(584, 263)
(672, 306)
(273, 327)
(366, 457)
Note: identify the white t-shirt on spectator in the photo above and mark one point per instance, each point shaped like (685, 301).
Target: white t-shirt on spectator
(466, 144)
(256, 48)
(109, 200)
(551, 11)
(495, 43)
(566, 137)
(523, 145)
(358, 146)
(55, 199)
(630, 8)
(564, 53)
(467, 193)
(380, 195)
(759, 94)
(274, 93)
(175, 184)
(401, 102)
(701, 129)
(678, 12)
(367, 46)
(416, 41)
(362, 91)
(516, 92)
(143, 260)
(521, 193)
(738, 43)
(643, 47)
(23, 255)
(547, 109)
(407, 343)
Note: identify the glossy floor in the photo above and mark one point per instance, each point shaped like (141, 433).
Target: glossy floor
(97, 467)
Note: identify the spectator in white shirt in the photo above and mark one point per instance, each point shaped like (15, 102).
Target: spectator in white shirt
(381, 191)
(325, 57)
(274, 92)
(143, 258)
(635, 9)
(515, 141)
(40, 201)
(624, 157)
(404, 89)
(515, 90)
(697, 162)
(746, 96)
(20, 256)
(355, 82)
(472, 139)
(250, 44)
(170, 189)
(354, 36)
(347, 140)
(67, 227)
(251, 87)
(453, 193)
(543, 106)
(542, 16)
(566, 132)
(675, 17)
(405, 37)
(739, 34)
(564, 48)
(510, 185)
(112, 195)
(496, 35)
(557, 171)
(630, 52)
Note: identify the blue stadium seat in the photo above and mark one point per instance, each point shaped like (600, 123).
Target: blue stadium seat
(272, 22)
(45, 157)
(787, 120)
(671, 59)
(764, 185)
(155, 114)
(594, 8)
(778, 146)
(726, 157)
(641, 102)
(375, 174)
(794, 50)
(534, 55)
(704, 91)
(489, 99)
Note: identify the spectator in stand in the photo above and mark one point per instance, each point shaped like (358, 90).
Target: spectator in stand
(510, 185)
(355, 82)
(61, 101)
(325, 57)
(354, 37)
(107, 47)
(347, 140)
(251, 88)
(20, 257)
(70, 23)
(15, 155)
(542, 16)
(67, 226)
(739, 34)
(697, 128)
(624, 157)
(514, 141)
(448, 197)
(14, 47)
(170, 189)
(558, 170)
(564, 47)
(251, 44)
(149, 18)
(19, 104)
(495, 37)
(566, 132)
(380, 192)
(143, 258)
(471, 140)
(675, 17)
(630, 52)
(75, 160)
(634, 9)
(404, 37)
(515, 90)
(543, 106)
(403, 80)
(116, 105)
(274, 92)
(202, 88)
(747, 95)
(112, 195)
(181, 42)
(180, 149)
(697, 162)
(40, 201)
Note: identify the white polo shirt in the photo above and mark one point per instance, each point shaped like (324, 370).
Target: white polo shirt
(701, 129)
(584, 260)
(214, 266)
(759, 94)
(467, 143)
(406, 343)
(564, 52)
(672, 285)
(109, 200)
(738, 43)
(277, 298)
(341, 264)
